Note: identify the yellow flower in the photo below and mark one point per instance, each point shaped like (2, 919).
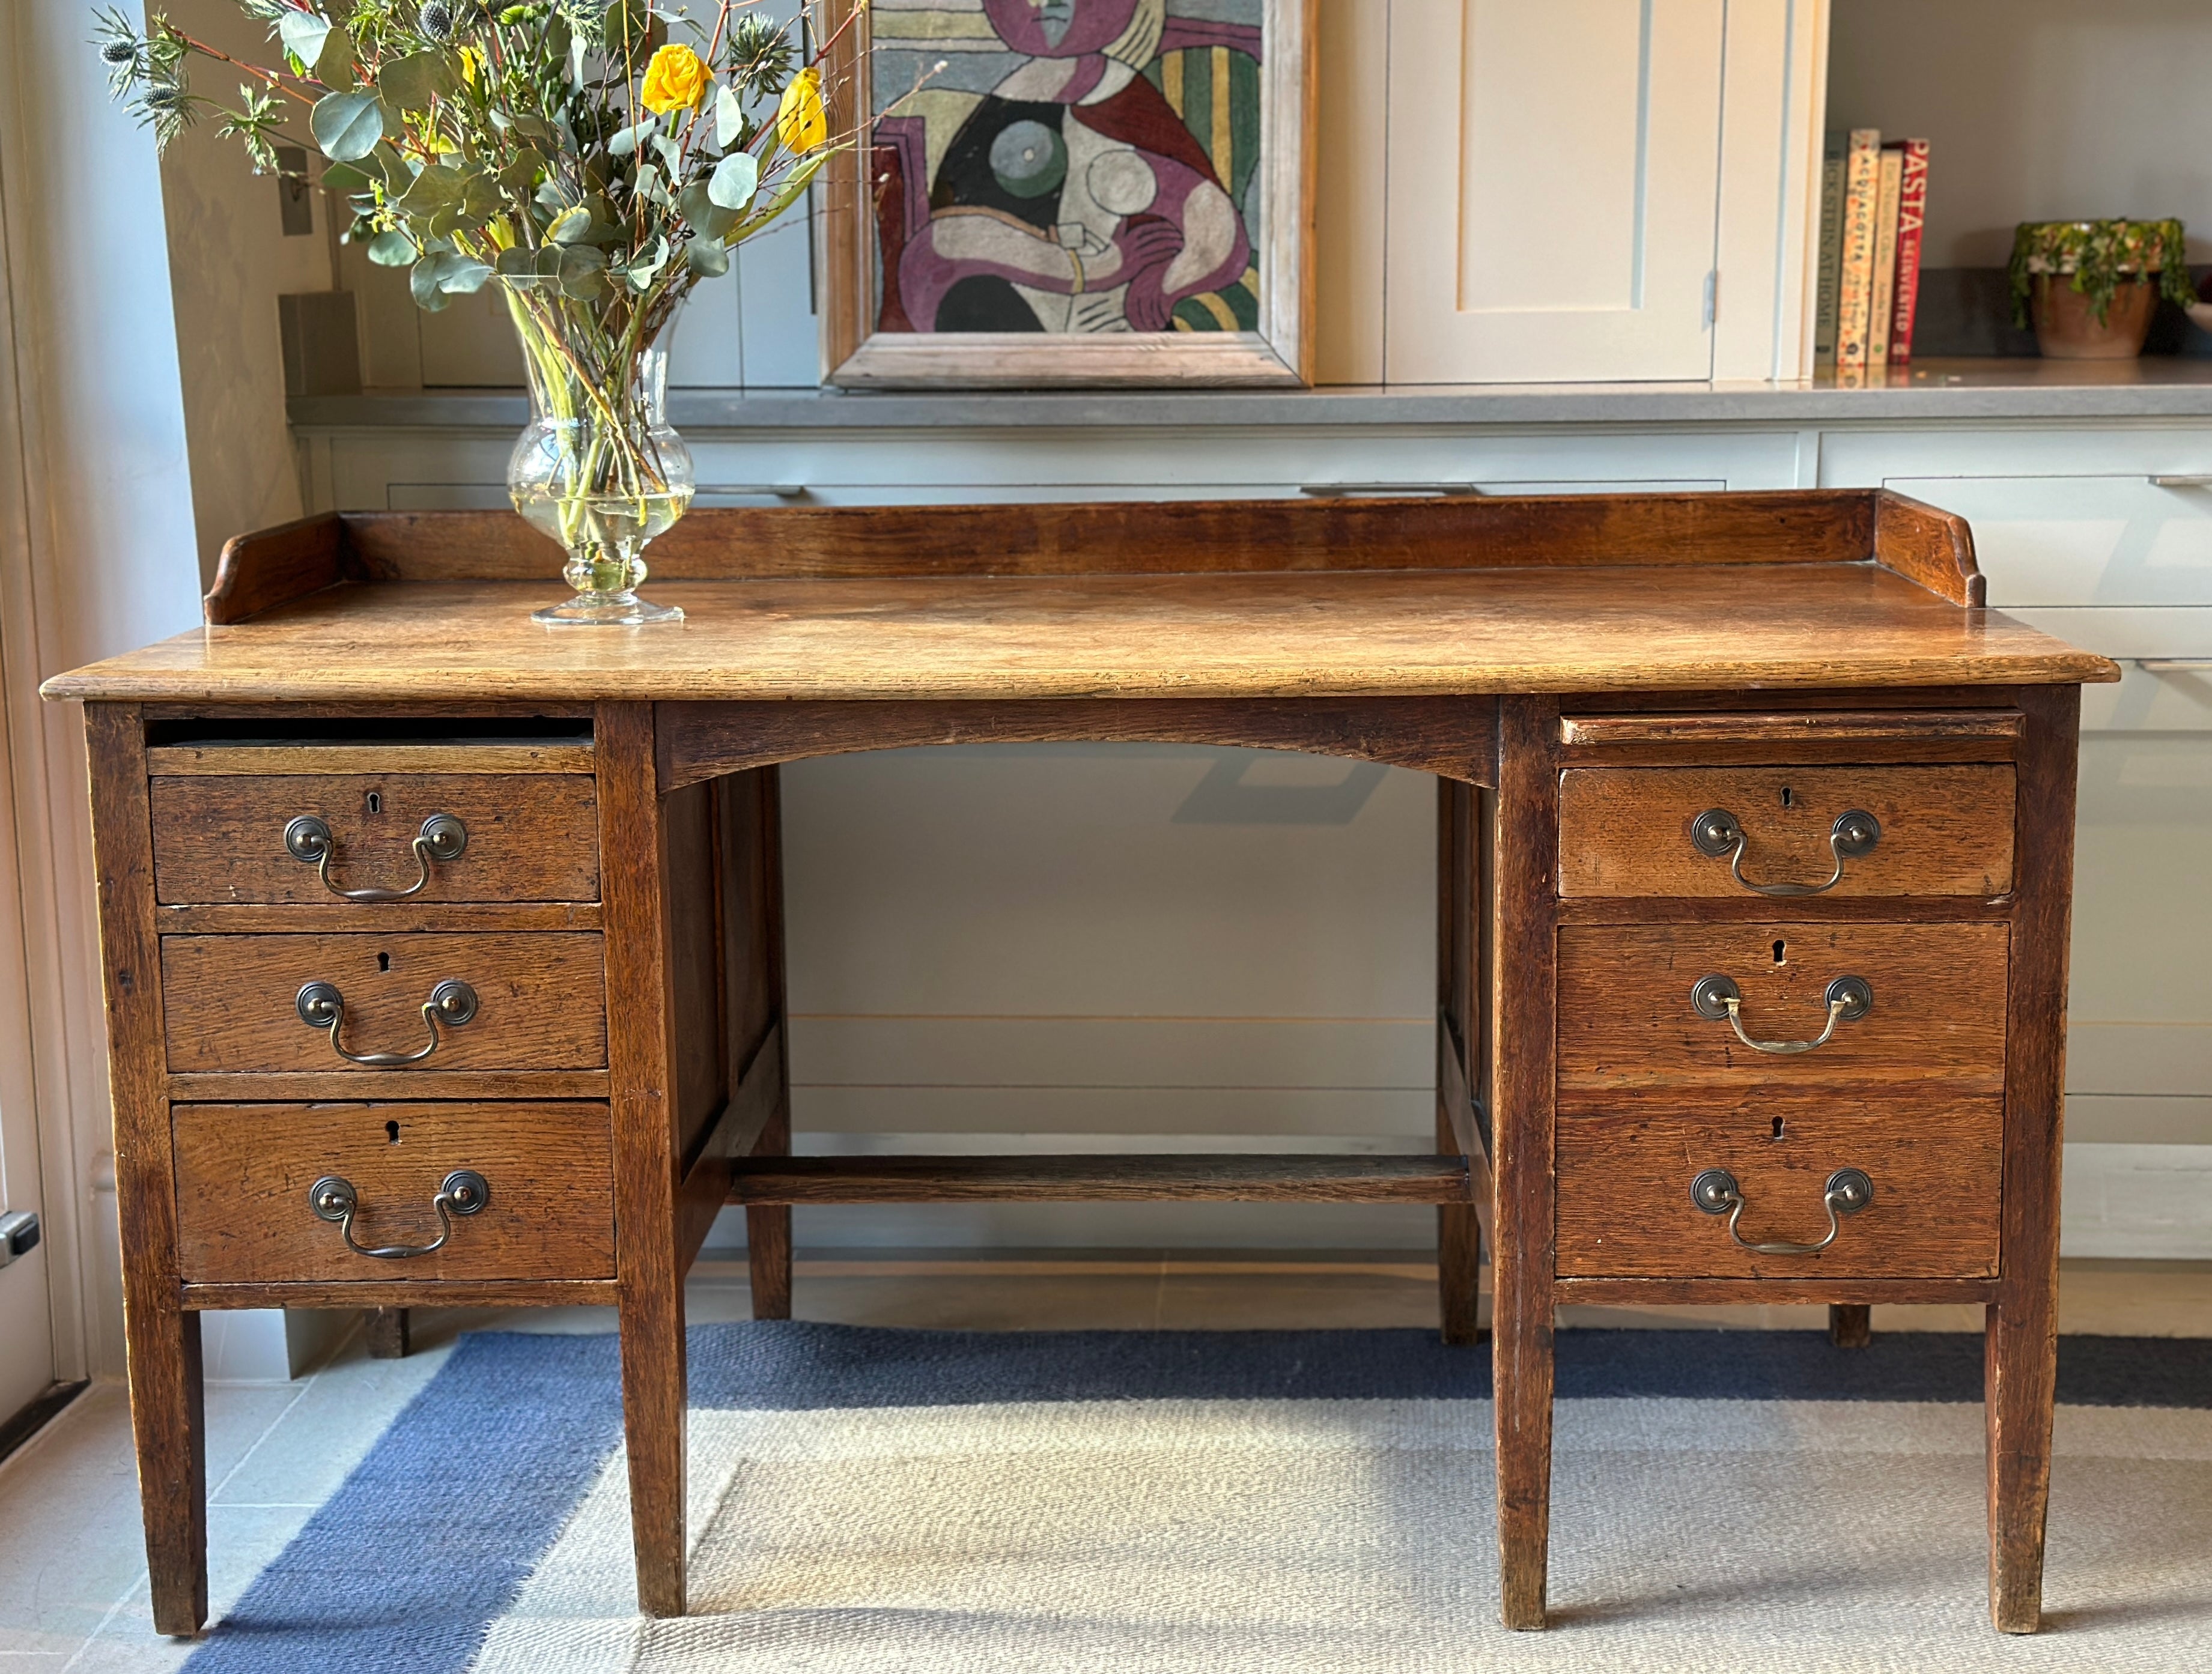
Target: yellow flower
(676, 80)
(473, 60)
(801, 123)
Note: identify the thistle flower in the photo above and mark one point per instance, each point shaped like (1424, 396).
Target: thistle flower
(760, 55)
(436, 19)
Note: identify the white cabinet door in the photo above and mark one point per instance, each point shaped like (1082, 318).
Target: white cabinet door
(1553, 176)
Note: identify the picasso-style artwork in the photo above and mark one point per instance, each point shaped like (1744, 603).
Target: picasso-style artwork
(1077, 172)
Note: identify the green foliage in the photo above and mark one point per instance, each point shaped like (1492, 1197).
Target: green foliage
(474, 141)
(2097, 257)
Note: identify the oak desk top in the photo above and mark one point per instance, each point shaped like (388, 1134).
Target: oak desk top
(1815, 589)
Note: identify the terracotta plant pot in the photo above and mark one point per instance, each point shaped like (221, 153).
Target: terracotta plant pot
(2066, 323)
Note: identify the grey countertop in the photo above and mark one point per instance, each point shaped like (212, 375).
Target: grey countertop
(2155, 387)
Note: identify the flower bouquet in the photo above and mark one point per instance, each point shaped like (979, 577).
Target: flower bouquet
(594, 159)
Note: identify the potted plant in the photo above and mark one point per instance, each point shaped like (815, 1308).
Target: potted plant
(2091, 286)
(594, 159)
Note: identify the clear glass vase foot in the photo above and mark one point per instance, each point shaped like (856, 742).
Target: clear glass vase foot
(622, 609)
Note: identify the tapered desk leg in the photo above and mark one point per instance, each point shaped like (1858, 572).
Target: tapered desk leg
(1525, 835)
(640, 1056)
(2021, 1353)
(162, 1339)
(768, 1226)
(1850, 1325)
(1459, 1270)
(168, 1425)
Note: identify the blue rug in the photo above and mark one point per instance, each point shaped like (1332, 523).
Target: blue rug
(428, 1547)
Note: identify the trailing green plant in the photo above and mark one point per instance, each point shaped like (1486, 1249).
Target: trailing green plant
(2097, 257)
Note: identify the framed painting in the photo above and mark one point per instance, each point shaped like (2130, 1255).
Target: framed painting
(1072, 192)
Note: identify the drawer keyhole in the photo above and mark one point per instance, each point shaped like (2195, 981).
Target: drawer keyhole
(383, 960)
(391, 1131)
(1777, 1128)
(1779, 948)
(376, 800)
(1785, 797)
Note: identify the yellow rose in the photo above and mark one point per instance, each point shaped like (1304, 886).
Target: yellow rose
(676, 80)
(801, 123)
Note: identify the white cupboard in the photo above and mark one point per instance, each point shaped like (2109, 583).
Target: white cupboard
(1554, 172)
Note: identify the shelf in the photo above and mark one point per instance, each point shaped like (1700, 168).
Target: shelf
(1934, 391)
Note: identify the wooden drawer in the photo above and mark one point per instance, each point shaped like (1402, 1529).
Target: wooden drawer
(1627, 1017)
(1630, 831)
(243, 1170)
(1624, 1171)
(233, 1003)
(530, 837)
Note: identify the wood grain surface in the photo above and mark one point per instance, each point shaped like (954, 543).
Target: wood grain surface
(1767, 1293)
(1232, 1177)
(532, 837)
(1786, 526)
(1945, 830)
(243, 1171)
(163, 1342)
(1525, 1012)
(1709, 728)
(256, 760)
(641, 1059)
(1625, 1175)
(1625, 1020)
(229, 1001)
(1452, 738)
(1289, 634)
(2022, 1327)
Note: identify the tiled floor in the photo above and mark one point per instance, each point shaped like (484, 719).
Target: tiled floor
(72, 1578)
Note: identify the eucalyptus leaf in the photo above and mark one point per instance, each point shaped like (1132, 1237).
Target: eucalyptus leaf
(437, 187)
(465, 277)
(303, 34)
(648, 186)
(631, 31)
(729, 118)
(392, 249)
(705, 217)
(333, 65)
(735, 179)
(708, 258)
(347, 178)
(411, 83)
(670, 154)
(795, 183)
(422, 281)
(572, 225)
(347, 125)
(630, 138)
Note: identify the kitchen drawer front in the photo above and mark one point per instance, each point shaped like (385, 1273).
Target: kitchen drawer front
(244, 1213)
(2123, 539)
(1625, 1208)
(1634, 831)
(1627, 1018)
(234, 1004)
(528, 837)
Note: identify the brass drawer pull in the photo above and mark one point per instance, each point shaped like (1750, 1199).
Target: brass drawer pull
(321, 1006)
(1848, 1191)
(1713, 997)
(442, 837)
(1716, 831)
(464, 1192)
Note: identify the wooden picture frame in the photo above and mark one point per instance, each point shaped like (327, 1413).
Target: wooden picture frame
(857, 355)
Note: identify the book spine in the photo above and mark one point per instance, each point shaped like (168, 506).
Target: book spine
(1912, 216)
(1829, 273)
(1855, 289)
(1883, 297)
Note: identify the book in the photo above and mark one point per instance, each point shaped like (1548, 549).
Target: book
(1912, 216)
(1855, 284)
(1883, 297)
(1828, 270)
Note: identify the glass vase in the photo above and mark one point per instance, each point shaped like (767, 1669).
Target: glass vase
(599, 469)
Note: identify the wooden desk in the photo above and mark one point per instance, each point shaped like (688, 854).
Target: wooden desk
(1644, 713)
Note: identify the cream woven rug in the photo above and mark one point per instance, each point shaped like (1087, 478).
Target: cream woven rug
(1095, 1518)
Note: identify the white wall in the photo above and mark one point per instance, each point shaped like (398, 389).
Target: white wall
(107, 563)
(2035, 110)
